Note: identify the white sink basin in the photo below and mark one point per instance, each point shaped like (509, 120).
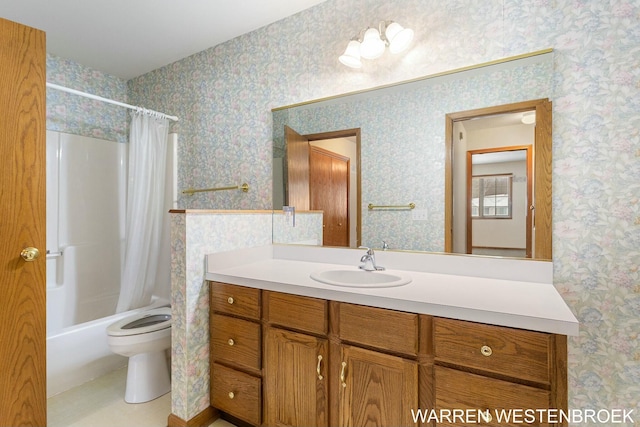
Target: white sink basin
(357, 278)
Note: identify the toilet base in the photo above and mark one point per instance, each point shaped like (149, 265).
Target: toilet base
(147, 377)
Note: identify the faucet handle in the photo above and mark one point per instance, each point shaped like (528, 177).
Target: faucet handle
(369, 250)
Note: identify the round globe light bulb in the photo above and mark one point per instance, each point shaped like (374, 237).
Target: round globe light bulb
(372, 46)
(351, 55)
(399, 37)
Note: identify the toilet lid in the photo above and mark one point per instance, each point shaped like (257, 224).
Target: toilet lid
(142, 323)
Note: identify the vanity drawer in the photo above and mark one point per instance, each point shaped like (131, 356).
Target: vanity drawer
(394, 331)
(465, 391)
(235, 300)
(237, 394)
(297, 312)
(505, 351)
(236, 341)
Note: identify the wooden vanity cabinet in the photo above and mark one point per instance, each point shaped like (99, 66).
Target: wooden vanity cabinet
(314, 362)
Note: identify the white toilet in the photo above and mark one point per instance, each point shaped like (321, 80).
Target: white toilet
(144, 339)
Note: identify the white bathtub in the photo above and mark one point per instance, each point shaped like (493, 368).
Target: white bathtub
(80, 353)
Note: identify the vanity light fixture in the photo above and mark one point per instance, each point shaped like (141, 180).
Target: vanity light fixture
(371, 42)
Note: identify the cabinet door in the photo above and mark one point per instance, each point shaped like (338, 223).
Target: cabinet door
(295, 379)
(376, 388)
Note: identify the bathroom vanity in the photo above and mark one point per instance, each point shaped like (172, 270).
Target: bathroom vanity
(455, 348)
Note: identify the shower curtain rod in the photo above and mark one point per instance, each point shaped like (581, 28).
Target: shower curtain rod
(107, 100)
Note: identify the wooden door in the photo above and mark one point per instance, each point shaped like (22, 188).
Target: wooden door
(329, 192)
(295, 379)
(22, 211)
(517, 203)
(297, 169)
(541, 199)
(376, 388)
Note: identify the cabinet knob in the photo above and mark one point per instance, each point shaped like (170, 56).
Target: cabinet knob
(486, 416)
(231, 395)
(486, 350)
(231, 341)
(230, 300)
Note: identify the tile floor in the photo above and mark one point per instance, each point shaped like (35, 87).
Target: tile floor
(100, 403)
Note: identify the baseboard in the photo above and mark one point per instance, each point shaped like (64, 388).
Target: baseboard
(203, 419)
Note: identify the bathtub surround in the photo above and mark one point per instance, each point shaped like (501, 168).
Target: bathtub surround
(85, 214)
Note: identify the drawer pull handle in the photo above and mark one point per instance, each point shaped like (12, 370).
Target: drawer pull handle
(343, 374)
(486, 350)
(231, 341)
(319, 367)
(230, 300)
(231, 395)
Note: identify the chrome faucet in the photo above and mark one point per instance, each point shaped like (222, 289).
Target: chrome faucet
(368, 261)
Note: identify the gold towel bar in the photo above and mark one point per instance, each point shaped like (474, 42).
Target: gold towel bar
(409, 206)
(244, 187)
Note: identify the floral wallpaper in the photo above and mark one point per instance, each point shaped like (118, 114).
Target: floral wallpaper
(224, 96)
(82, 116)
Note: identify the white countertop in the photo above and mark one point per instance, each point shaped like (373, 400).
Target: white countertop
(500, 291)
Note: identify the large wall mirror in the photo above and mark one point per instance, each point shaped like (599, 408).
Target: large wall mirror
(394, 146)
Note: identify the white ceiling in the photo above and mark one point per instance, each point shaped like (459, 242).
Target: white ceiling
(128, 38)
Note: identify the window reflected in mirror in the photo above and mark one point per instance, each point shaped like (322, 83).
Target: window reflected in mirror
(491, 196)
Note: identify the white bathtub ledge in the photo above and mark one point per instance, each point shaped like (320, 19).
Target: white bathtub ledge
(501, 293)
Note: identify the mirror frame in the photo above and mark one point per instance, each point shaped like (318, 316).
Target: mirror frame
(542, 172)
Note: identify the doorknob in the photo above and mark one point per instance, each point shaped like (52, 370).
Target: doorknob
(30, 254)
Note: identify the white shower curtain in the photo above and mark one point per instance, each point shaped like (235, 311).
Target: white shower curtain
(145, 203)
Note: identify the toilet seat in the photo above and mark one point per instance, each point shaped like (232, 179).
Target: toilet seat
(149, 321)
